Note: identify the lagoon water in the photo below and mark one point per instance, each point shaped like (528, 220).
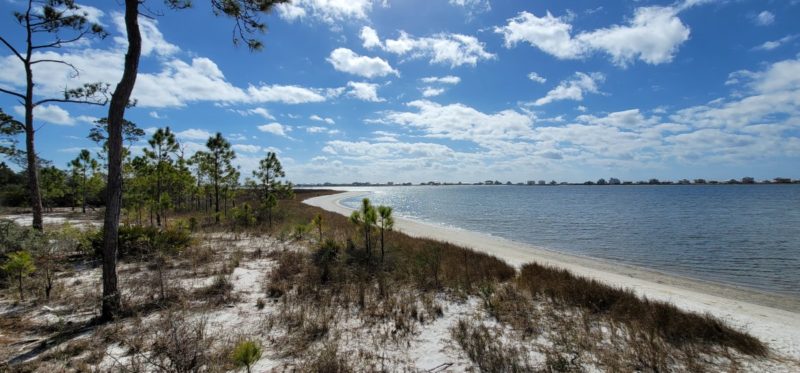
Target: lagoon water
(745, 235)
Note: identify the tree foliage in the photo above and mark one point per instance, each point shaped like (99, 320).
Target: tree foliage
(268, 178)
(19, 265)
(52, 19)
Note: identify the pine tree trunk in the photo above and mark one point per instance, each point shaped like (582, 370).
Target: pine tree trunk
(116, 112)
(19, 281)
(33, 164)
(158, 191)
(83, 205)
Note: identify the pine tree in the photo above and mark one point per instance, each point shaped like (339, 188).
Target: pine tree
(52, 18)
(271, 187)
(217, 163)
(246, 15)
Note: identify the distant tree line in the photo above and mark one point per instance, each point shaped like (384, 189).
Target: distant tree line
(163, 180)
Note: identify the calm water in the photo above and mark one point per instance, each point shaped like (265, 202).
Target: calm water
(746, 235)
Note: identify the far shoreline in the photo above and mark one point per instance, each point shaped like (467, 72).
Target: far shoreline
(774, 318)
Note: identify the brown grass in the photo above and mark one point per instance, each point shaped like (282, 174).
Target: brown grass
(675, 326)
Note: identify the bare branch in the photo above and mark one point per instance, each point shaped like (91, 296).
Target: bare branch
(71, 101)
(13, 93)
(12, 49)
(59, 42)
(77, 72)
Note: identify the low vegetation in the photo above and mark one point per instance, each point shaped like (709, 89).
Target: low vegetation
(312, 294)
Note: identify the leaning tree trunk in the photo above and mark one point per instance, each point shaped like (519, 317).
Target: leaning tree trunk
(116, 112)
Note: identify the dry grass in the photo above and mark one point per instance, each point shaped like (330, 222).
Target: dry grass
(488, 350)
(315, 292)
(677, 327)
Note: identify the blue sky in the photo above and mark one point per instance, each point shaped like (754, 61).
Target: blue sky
(456, 90)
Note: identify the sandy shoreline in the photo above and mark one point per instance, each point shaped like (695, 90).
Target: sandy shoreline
(772, 318)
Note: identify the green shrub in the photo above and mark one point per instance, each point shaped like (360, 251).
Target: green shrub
(246, 353)
(325, 257)
(19, 265)
(244, 216)
(139, 241)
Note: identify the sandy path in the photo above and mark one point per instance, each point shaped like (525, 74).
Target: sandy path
(773, 319)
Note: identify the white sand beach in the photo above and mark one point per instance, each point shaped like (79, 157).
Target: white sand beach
(772, 318)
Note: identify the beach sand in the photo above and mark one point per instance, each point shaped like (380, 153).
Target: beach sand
(772, 318)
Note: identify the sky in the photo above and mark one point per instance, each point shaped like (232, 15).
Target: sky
(451, 90)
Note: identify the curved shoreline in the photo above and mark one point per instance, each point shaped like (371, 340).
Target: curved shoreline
(773, 319)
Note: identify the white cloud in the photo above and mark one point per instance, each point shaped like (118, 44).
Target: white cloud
(155, 115)
(194, 134)
(449, 79)
(653, 35)
(550, 34)
(90, 13)
(431, 92)
(287, 94)
(472, 6)
(316, 129)
(369, 37)
(573, 89)
(245, 148)
(366, 150)
(176, 84)
(152, 38)
(237, 137)
(48, 113)
(449, 49)
(87, 119)
(348, 61)
(328, 11)
(364, 91)
(275, 129)
(765, 18)
(623, 119)
(461, 122)
(536, 78)
(321, 119)
(260, 111)
(774, 44)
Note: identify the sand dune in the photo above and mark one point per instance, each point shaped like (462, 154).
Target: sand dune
(773, 319)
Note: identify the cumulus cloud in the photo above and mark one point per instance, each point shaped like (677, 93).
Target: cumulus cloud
(260, 111)
(275, 129)
(536, 78)
(194, 134)
(328, 11)
(321, 119)
(573, 89)
(246, 148)
(152, 39)
(48, 113)
(443, 48)
(369, 37)
(449, 79)
(653, 35)
(764, 18)
(775, 44)
(363, 149)
(461, 122)
(176, 84)
(472, 6)
(431, 91)
(345, 60)
(758, 120)
(364, 91)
